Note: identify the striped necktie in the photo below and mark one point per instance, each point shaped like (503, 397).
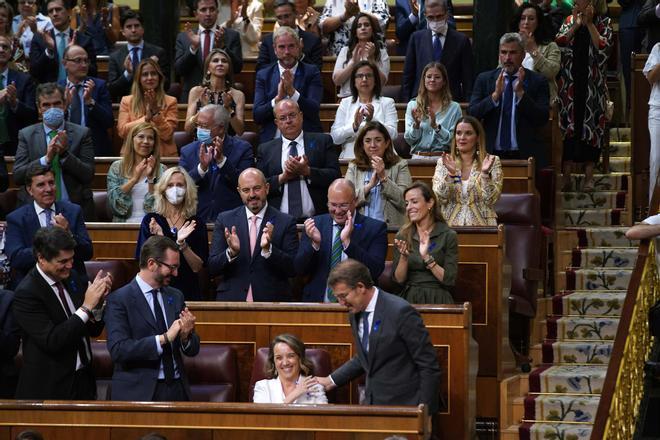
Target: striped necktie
(57, 168)
(335, 258)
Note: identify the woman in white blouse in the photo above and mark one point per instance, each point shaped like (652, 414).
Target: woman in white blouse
(364, 44)
(247, 18)
(292, 376)
(364, 105)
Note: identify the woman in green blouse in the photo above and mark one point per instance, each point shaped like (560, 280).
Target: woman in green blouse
(426, 250)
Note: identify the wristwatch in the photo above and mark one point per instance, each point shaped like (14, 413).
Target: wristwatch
(535, 53)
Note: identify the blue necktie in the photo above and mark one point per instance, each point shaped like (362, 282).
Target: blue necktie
(295, 192)
(365, 331)
(61, 45)
(437, 48)
(76, 106)
(135, 60)
(49, 217)
(168, 360)
(507, 112)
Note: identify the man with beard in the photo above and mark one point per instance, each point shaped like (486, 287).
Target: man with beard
(149, 326)
(253, 246)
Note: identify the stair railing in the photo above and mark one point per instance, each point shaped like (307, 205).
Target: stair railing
(623, 388)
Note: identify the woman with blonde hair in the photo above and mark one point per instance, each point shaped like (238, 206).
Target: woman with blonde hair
(131, 179)
(468, 180)
(379, 175)
(431, 115)
(291, 375)
(217, 88)
(149, 103)
(425, 250)
(175, 217)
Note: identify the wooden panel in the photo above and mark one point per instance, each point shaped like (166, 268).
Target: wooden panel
(125, 420)
(641, 142)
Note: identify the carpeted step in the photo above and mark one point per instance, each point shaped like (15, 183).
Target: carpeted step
(597, 279)
(620, 149)
(567, 352)
(594, 199)
(614, 236)
(575, 328)
(589, 217)
(598, 257)
(551, 431)
(620, 134)
(568, 379)
(602, 182)
(589, 302)
(580, 409)
(617, 165)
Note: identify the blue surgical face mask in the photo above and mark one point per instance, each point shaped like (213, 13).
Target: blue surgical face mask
(203, 135)
(53, 117)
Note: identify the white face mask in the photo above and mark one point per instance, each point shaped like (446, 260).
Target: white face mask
(175, 194)
(438, 27)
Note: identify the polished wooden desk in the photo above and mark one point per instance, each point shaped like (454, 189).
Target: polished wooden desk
(58, 420)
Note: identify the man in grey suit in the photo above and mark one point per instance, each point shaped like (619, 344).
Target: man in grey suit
(193, 45)
(394, 348)
(65, 147)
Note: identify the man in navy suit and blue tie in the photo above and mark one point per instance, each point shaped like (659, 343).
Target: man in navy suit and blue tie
(410, 16)
(214, 161)
(288, 78)
(341, 234)
(299, 166)
(149, 327)
(512, 103)
(24, 222)
(253, 246)
(88, 99)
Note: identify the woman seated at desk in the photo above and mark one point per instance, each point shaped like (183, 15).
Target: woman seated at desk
(292, 375)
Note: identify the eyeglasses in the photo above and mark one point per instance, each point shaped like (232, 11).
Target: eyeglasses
(27, 2)
(79, 60)
(339, 205)
(364, 75)
(290, 116)
(172, 267)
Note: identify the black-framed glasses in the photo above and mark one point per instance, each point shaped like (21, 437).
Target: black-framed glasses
(79, 60)
(172, 267)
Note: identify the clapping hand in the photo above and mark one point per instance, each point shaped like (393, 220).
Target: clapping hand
(233, 242)
(417, 117)
(487, 164)
(207, 154)
(347, 230)
(312, 232)
(499, 87)
(61, 222)
(424, 241)
(187, 321)
(185, 230)
(267, 236)
(192, 36)
(88, 90)
(378, 166)
(518, 88)
(154, 227)
(449, 163)
(97, 290)
(402, 247)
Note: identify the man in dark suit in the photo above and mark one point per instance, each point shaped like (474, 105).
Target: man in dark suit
(341, 234)
(57, 312)
(47, 50)
(149, 326)
(10, 341)
(17, 108)
(287, 78)
(253, 247)
(193, 45)
(125, 58)
(24, 222)
(649, 18)
(394, 349)
(214, 162)
(88, 99)
(66, 147)
(439, 43)
(512, 103)
(312, 49)
(409, 19)
(299, 166)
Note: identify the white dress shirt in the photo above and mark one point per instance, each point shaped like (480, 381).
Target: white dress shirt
(307, 203)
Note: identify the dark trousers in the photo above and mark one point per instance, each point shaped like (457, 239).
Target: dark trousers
(172, 392)
(84, 385)
(509, 155)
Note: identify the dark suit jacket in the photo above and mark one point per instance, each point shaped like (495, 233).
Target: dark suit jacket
(25, 112)
(77, 168)
(132, 345)
(368, 245)
(405, 28)
(118, 84)
(50, 339)
(189, 66)
(323, 161)
(456, 57)
(44, 68)
(307, 82)
(651, 22)
(10, 341)
(531, 112)
(99, 118)
(401, 367)
(217, 191)
(269, 276)
(312, 50)
(23, 223)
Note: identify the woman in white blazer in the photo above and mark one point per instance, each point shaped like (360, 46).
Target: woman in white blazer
(292, 376)
(364, 105)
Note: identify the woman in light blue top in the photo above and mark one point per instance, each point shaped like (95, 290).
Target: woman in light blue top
(431, 116)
